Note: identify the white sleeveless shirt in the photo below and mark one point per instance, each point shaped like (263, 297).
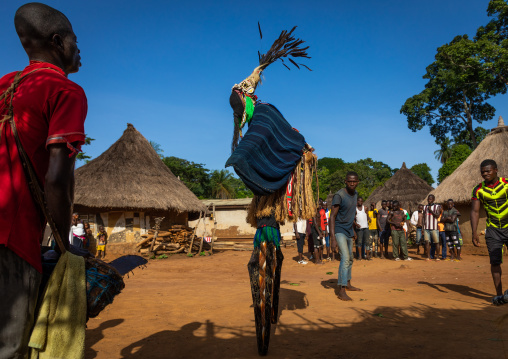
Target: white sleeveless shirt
(361, 218)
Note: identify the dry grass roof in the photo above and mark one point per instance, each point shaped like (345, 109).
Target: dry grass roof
(459, 185)
(404, 186)
(130, 175)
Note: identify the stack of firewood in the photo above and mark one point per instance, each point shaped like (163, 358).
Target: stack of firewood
(177, 239)
(247, 245)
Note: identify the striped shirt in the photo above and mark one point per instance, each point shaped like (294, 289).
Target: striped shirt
(430, 221)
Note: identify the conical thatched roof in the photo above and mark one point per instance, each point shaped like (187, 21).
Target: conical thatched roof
(404, 186)
(373, 195)
(130, 175)
(459, 185)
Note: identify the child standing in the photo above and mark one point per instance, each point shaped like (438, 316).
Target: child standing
(449, 219)
(88, 235)
(102, 240)
(373, 248)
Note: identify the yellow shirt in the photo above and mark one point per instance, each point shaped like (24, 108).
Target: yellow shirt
(440, 225)
(373, 219)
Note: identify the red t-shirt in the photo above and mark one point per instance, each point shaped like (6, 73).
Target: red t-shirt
(48, 109)
(324, 220)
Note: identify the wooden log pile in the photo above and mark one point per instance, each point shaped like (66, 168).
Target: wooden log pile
(176, 239)
(247, 246)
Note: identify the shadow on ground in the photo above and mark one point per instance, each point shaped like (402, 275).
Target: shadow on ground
(461, 289)
(97, 334)
(291, 299)
(415, 332)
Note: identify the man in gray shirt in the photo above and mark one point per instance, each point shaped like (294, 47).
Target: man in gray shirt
(384, 230)
(342, 219)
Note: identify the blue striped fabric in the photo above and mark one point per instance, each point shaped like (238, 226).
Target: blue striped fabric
(268, 153)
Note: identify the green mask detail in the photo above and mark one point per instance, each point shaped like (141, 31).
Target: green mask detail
(249, 108)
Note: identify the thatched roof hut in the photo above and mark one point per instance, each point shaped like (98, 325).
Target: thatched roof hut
(459, 185)
(131, 176)
(404, 186)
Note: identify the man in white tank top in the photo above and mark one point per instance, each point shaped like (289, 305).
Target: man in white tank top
(362, 229)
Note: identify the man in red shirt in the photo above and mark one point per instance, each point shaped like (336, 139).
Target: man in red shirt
(49, 112)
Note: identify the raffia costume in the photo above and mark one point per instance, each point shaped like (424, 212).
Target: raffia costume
(277, 165)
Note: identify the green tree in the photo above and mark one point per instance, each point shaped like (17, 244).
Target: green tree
(464, 139)
(332, 164)
(455, 95)
(371, 174)
(445, 150)
(492, 40)
(241, 191)
(459, 155)
(221, 184)
(194, 175)
(422, 170)
(158, 149)
(82, 156)
(324, 182)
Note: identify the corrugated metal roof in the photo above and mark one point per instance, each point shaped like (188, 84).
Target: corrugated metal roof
(227, 202)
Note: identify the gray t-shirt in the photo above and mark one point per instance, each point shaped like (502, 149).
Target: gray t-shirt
(450, 227)
(347, 212)
(383, 217)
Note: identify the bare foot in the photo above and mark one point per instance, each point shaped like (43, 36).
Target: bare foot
(353, 289)
(343, 296)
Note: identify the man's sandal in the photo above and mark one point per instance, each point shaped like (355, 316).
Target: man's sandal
(499, 300)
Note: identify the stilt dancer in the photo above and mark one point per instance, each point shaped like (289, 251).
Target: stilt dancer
(277, 165)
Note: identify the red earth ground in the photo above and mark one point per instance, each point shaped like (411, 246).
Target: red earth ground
(201, 307)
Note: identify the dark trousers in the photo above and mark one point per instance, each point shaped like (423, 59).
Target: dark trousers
(300, 241)
(433, 247)
(442, 239)
(362, 237)
(19, 286)
(310, 243)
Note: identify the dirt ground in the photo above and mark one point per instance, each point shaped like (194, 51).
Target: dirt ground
(184, 307)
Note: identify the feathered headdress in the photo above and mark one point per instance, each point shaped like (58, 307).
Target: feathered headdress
(242, 98)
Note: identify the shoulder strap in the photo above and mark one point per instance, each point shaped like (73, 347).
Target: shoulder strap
(31, 177)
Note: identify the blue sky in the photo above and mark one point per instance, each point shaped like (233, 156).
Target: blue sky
(168, 67)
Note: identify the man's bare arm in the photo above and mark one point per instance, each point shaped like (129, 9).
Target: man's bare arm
(333, 215)
(438, 212)
(455, 216)
(450, 219)
(475, 216)
(389, 219)
(317, 226)
(59, 189)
